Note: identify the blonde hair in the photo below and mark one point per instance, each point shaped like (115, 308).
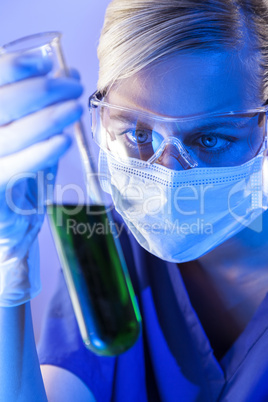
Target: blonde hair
(139, 32)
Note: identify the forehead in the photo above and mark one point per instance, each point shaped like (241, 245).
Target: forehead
(189, 84)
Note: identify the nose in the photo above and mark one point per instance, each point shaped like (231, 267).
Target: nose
(172, 158)
(173, 155)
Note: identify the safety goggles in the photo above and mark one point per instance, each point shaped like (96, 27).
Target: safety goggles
(207, 140)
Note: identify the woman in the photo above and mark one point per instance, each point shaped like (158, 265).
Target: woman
(191, 190)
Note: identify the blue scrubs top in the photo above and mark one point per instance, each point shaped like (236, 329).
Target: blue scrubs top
(172, 360)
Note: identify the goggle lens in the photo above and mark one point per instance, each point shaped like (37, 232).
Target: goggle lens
(206, 141)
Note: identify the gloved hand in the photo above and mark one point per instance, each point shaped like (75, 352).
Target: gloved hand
(34, 110)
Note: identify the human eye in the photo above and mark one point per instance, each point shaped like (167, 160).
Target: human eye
(138, 136)
(137, 141)
(213, 142)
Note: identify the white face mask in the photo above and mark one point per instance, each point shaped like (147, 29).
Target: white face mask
(181, 215)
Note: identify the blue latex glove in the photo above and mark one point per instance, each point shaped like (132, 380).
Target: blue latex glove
(34, 110)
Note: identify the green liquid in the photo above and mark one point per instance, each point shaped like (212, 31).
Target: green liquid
(97, 278)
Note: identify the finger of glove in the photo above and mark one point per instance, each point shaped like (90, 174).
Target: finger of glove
(23, 198)
(71, 72)
(74, 74)
(28, 96)
(37, 157)
(38, 126)
(19, 209)
(14, 222)
(40, 187)
(15, 68)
